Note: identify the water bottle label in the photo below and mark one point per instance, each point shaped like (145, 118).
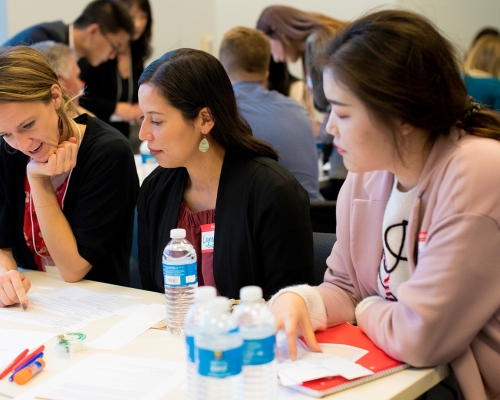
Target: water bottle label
(180, 275)
(220, 364)
(258, 352)
(190, 348)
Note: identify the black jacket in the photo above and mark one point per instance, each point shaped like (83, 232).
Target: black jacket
(263, 230)
(99, 203)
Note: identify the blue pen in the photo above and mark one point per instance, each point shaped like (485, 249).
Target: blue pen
(36, 356)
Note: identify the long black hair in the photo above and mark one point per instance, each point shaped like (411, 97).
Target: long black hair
(414, 74)
(142, 46)
(190, 80)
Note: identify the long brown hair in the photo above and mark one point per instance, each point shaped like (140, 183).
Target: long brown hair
(190, 80)
(414, 75)
(292, 26)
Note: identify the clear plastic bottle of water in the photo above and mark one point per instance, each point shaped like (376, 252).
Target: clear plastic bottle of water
(193, 319)
(219, 354)
(180, 277)
(258, 329)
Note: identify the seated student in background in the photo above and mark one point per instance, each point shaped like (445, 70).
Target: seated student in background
(111, 88)
(102, 30)
(67, 187)
(482, 71)
(416, 258)
(274, 118)
(63, 62)
(214, 171)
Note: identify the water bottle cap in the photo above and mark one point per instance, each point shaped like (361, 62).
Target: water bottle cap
(218, 306)
(178, 233)
(205, 293)
(250, 293)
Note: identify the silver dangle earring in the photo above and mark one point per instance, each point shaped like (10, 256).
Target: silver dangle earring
(204, 145)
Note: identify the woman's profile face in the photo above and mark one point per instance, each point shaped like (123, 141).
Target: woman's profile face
(31, 128)
(170, 138)
(363, 143)
(279, 53)
(140, 19)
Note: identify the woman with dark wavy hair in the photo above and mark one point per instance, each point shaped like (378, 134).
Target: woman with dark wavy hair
(111, 88)
(418, 219)
(213, 172)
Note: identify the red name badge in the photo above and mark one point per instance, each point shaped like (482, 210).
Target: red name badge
(422, 239)
(207, 238)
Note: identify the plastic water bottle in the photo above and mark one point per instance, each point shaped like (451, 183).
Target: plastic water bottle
(219, 354)
(180, 277)
(258, 329)
(193, 319)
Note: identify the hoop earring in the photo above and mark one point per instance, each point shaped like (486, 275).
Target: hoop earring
(204, 145)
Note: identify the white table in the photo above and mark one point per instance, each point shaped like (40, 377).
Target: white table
(159, 344)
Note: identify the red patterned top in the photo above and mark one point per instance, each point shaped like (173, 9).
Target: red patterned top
(31, 223)
(191, 222)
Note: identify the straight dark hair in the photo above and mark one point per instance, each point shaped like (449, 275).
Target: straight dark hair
(190, 80)
(142, 46)
(414, 75)
(110, 15)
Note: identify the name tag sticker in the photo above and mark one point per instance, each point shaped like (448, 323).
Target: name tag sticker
(422, 239)
(207, 238)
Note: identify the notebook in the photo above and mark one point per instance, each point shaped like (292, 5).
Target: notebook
(376, 360)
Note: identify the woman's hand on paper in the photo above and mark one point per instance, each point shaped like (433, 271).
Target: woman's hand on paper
(291, 314)
(13, 288)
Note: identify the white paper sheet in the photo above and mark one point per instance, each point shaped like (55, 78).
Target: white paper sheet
(82, 305)
(128, 329)
(14, 341)
(108, 376)
(26, 317)
(113, 304)
(336, 359)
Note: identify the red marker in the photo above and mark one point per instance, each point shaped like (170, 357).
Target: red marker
(26, 358)
(9, 368)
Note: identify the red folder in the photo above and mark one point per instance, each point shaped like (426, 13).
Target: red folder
(376, 360)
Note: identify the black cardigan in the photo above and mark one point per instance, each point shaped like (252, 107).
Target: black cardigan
(263, 230)
(99, 203)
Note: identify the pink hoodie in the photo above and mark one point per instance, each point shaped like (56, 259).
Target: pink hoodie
(449, 309)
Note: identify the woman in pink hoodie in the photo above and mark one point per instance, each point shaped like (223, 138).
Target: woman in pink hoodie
(416, 262)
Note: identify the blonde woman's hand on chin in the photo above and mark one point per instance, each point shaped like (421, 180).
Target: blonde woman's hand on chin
(290, 312)
(61, 161)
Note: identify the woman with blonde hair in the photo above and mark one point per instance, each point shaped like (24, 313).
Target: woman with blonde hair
(482, 71)
(67, 186)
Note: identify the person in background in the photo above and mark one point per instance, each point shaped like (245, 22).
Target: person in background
(63, 62)
(415, 264)
(281, 80)
(274, 118)
(67, 187)
(482, 71)
(295, 34)
(97, 35)
(214, 171)
(111, 88)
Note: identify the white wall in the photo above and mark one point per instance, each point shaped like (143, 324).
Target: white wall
(459, 20)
